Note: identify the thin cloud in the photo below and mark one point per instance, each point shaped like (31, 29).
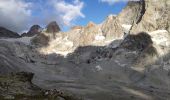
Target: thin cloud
(111, 2)
(15, 14)
(68, 12)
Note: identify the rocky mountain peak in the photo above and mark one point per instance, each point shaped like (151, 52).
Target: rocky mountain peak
(53, 27)
(35, 29)
(47, 35)
(111, 17)
(90, 24)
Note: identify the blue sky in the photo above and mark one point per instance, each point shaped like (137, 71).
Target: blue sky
(97, 11)
(22, 14)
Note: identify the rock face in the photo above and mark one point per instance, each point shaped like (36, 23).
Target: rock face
(88, 34)
(111, 28)
(130, 12)
(155, 17)
(7, 33)
(52, 28)
(35, 29)
(146, 15)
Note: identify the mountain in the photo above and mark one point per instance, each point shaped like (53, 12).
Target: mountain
(5, 33)
(35, 29)
(126, 57)
(53, 27)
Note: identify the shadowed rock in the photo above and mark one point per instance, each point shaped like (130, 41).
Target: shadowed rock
(7, 33)
(137, 42)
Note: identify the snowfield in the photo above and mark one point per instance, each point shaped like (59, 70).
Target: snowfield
(25, 40)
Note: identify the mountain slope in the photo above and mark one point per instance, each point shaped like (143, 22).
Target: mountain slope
(5, 33)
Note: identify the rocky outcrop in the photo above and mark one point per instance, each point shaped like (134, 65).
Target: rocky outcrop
(35, 29)
(5, 33)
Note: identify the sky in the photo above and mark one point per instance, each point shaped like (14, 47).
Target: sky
(20, 15)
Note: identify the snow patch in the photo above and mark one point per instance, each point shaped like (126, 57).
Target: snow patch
(160, 37)
(60, 45)
(158, 31)
(98, 68)
(120, 64)
(99, 37)
(126, 27)
(111, 16)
